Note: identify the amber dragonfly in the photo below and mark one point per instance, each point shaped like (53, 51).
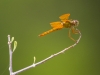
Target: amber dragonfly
(64, 23)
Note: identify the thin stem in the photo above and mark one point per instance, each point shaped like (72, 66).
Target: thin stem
(10, 58)
(53, 55)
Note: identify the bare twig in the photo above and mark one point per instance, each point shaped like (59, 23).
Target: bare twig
(10, 54)
(35, 64)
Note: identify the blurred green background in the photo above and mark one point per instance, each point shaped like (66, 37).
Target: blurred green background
(26, 19)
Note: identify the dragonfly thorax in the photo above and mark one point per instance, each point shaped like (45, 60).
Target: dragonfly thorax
(75, 22)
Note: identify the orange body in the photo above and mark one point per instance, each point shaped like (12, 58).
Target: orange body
(55, 25)
(64, 23)
(49, 31)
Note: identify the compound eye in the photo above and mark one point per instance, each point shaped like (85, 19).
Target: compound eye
(76, 23)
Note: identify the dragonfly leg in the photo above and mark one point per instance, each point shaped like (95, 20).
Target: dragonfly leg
(70, 36)
(76, 31)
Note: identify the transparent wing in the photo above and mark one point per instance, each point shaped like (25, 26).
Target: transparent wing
(64, 17)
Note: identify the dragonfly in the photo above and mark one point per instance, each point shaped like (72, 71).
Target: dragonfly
(64, 23)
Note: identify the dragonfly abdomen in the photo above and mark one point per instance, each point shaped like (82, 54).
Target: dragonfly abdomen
(49, 31)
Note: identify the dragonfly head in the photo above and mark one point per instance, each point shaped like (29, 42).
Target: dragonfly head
(75, 22)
